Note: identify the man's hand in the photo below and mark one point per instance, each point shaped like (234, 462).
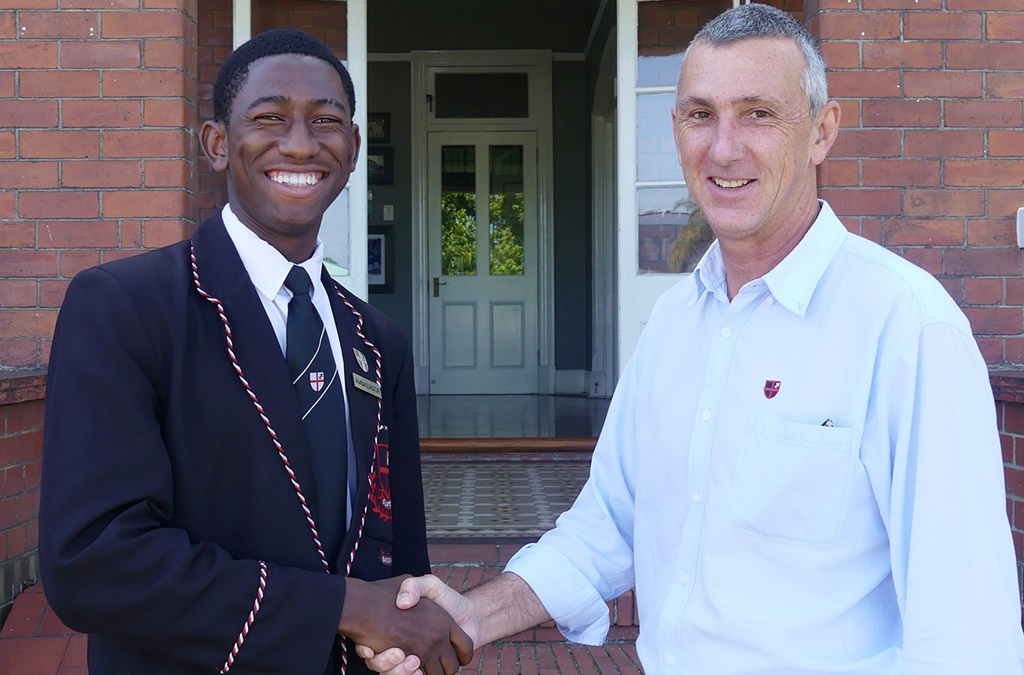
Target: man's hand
(395, 661)
(372, 619)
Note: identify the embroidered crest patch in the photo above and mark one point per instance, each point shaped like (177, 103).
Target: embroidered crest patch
(380, 490)
(316, 381)
(771, 388)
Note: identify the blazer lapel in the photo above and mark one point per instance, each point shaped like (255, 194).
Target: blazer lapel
(362, 406)
(256, 348)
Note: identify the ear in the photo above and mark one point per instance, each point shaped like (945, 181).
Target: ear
(826, 129)
(214, 139)
(357, 141)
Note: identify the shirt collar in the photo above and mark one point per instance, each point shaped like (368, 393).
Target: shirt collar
(792, 282)
(266, 266)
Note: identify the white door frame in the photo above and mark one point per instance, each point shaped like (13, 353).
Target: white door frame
(537, 63)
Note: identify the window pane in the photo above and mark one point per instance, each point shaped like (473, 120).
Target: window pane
(506, 210)
(664, 29)
(673, 234)
(656, 157)
(458, 210)
(488, 95)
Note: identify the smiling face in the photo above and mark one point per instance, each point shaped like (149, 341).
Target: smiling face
(288, 148)
(748, 144)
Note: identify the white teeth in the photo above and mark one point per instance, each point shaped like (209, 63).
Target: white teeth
(720, 182)
(296, 179)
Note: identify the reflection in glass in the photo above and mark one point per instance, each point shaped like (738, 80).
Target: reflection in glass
(481, 95)
(664, 29)
(658, 71)
(506, 210)
(673, 233)
(458, 210)
(656, 157)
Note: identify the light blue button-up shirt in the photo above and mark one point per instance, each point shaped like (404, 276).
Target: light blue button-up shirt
(807, 479)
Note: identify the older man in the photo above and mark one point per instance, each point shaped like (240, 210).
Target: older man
(800, 470)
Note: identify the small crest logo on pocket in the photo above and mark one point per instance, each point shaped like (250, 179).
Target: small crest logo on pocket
(771, 388)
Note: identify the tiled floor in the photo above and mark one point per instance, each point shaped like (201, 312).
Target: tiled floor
(480, 510)
(512, 498)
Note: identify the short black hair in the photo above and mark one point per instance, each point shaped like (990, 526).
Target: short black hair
(275, 42)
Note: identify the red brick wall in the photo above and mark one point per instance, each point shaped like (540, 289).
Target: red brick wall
(97, 111)
(325, 20)
(21, 449)
(1011, 428)
(930, 161)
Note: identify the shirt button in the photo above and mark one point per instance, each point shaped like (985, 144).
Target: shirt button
(669, 659)
(706, 415)
(684, 579)
(771, 301)
(697, 497)
(726, 332)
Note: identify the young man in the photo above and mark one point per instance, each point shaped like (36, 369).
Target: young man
(800, 471)
(213, 496)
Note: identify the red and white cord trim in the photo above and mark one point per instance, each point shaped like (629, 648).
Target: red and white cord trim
(376, 447)
(249, 620)
(377, 459)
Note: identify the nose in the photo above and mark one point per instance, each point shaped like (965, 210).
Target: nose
(726, 144)
(298, 141)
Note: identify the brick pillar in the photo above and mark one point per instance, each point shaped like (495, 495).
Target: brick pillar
(97, 148)
(930, 160)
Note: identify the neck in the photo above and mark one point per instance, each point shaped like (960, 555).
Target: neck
(752, 258)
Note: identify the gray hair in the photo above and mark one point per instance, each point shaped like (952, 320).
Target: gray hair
(756, 20)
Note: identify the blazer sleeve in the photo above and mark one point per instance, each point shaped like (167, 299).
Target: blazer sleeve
(112, 563)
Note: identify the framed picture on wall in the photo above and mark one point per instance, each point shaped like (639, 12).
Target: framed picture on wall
(380, 256)
(380, 165)
(378, 127)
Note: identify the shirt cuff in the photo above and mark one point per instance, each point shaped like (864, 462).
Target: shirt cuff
(580, 613)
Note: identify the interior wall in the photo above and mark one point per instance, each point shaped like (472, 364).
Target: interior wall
(572, 238)
(388, 86)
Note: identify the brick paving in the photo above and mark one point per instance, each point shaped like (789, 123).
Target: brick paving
(33, 641)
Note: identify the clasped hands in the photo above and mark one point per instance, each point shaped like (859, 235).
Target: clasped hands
(384, 629)
(414, 594)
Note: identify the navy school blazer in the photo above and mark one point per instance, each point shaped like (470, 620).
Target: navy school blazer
(167, 512)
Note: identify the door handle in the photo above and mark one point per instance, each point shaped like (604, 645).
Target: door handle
(437, 286)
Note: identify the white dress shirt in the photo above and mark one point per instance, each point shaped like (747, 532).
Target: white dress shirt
(267, 270)
(807, 479)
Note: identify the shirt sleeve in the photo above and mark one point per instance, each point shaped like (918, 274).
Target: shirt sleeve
(587, 559)
(953, 563)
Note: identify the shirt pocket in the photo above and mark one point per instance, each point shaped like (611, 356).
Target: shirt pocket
(793, 481)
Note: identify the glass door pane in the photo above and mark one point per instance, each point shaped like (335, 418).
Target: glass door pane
(506, 210)
(458, 210)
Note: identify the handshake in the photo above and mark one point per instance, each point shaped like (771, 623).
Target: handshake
(430, 629)
(428, 620)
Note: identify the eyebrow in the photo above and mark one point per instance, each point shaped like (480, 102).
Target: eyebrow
(284, 99)
(747, 100)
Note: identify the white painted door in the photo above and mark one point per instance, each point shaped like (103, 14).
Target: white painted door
(483, 269)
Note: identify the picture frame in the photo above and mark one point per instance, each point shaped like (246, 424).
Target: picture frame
(378, 127)
(380, 259)
(380, 165)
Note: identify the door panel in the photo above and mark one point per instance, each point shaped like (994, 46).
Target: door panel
(482, 230)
